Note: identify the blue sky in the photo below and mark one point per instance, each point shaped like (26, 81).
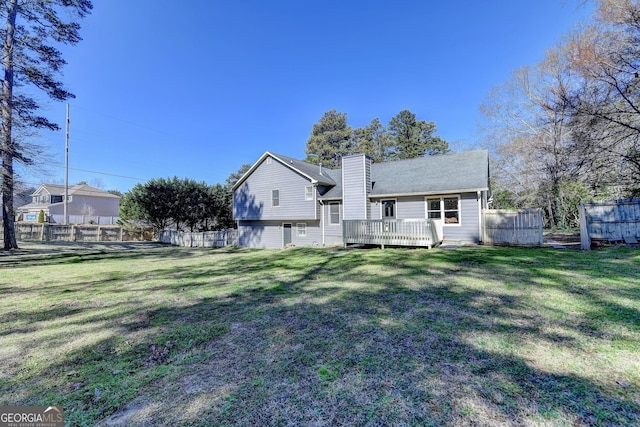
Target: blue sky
(197, 88)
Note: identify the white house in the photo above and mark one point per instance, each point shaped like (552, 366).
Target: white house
(85, 204)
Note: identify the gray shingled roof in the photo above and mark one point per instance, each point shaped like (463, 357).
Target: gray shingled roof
(308, 169)
(448, 173)
(459, 172)
(336, 191)
(77, 189)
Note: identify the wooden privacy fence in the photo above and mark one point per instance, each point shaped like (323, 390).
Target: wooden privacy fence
(75, 233)
(84, 219)
(207, 239)
(397, 232)
(611, 221)
(512, 227)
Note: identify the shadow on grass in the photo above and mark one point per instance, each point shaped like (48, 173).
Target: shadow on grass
(56, 253)
(318, 337)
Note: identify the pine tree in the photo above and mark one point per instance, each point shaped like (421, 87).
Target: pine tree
(331, 138)
(412, 138)
(30, 58)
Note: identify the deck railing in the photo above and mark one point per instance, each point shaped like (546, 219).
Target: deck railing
(396, 232)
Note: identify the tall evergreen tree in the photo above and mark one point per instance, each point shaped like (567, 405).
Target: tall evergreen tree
(221, 207)
(414, 138)
(152, 202)
(330, 140)
(31, 30)
(235, 176)
(373, 140)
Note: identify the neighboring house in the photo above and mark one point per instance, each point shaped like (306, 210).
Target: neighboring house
(282, 201)
(85, 202)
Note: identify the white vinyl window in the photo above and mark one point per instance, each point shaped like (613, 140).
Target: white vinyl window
(334, 213)
(447, 208)
(308, 192)
(275, 198)
(434, 209)
(302, 229)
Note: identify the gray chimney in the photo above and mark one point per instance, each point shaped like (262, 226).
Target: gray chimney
(356, 186)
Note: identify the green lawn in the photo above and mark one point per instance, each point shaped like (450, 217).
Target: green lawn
(179, 336)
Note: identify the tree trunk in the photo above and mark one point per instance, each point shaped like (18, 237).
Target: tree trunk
(552, 221)
(8, 217)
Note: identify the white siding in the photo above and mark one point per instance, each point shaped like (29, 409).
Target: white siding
(85, 205)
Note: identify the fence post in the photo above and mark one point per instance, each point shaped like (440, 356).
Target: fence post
(540, 231)
(585, 239)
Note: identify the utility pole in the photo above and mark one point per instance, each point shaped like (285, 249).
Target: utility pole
(66, 172)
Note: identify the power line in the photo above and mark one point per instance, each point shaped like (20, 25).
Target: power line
(141, 126)
(102, 173)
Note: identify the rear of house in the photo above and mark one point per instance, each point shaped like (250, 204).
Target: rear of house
(282, 201)
(276, 203)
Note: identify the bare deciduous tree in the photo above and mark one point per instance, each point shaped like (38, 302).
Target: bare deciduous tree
(529, 127)
(606, 55)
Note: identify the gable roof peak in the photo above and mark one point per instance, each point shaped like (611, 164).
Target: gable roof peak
(311, 172)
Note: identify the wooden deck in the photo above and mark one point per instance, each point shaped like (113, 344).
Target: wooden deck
(395, 232)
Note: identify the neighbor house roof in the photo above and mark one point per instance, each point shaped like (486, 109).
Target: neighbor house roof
(78, 189)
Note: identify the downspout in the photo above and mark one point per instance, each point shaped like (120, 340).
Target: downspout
(315, 199)
(480, 230)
